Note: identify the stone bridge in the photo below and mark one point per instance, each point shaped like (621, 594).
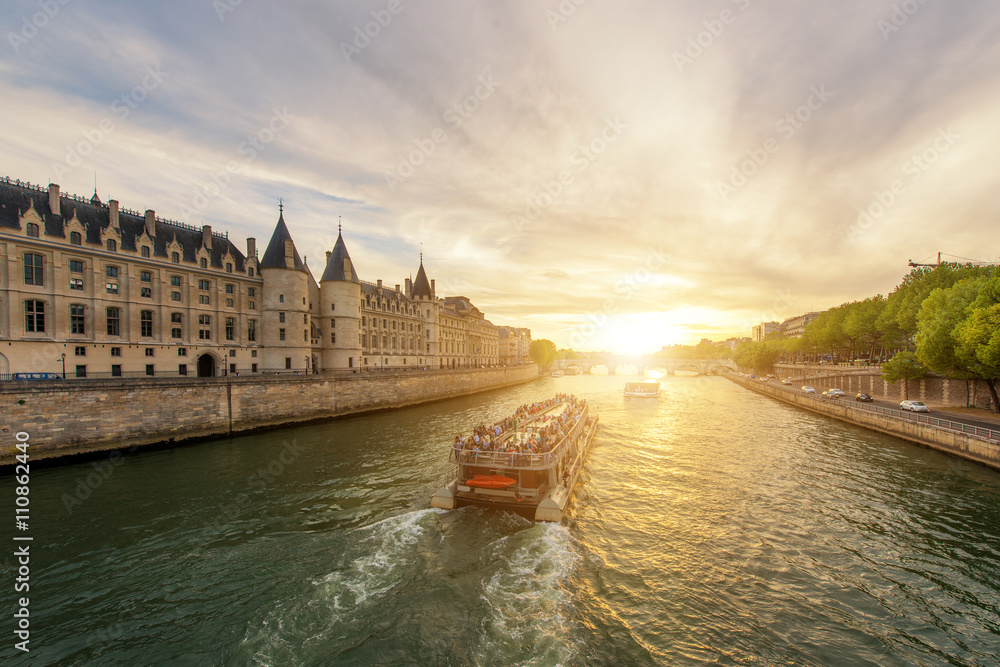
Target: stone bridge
(617, 365)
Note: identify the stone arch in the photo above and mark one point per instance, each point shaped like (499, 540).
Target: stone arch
(208, 365)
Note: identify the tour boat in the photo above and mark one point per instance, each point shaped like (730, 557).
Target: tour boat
(535, 485)
(573, 370)
(646, 388)
(557, 374)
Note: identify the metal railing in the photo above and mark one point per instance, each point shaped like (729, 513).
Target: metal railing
(947, 424)
(515, 461)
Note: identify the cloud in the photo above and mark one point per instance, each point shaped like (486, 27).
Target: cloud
(541, 193)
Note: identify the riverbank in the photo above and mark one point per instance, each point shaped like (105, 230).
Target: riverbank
(965, 445)
(66, 419)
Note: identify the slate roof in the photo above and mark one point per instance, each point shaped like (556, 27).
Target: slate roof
(274, 256)
(16, 199)
(421, 286)
(335, 265)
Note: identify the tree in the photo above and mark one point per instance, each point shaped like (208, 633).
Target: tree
(543, 352)
(978, 337)
(904, 367)
(940, 314)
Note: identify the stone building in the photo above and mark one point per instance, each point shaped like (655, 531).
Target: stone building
(515, 344)
(89, 289)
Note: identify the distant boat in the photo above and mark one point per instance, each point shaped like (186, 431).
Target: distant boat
(573, 370)
(646, 389)
(557, 374)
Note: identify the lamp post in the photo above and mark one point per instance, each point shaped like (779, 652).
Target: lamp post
(307, 364)
(63, 356)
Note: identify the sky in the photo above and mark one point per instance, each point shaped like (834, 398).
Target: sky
(616, 176)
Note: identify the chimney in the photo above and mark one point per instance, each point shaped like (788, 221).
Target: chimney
(54, 198)
(206, 233)
(251, 247)
(433, 293)
(113, 213)
(397, 287)
(289, 254)
(150, 223)
(380, 283)
(328, 253)
(409, 286)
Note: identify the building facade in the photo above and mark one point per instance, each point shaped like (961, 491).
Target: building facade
(794, 327)
(762, 330)
(515, 344)
(88, 289)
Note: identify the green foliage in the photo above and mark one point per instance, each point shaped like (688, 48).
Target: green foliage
(542, 352)
(758, 356)
(903, 367)
(977, 338)
(941, 313)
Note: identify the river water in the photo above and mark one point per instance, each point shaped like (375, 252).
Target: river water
(711, 526)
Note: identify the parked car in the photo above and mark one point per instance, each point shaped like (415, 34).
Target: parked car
(808, 389)
(913, 406)
(786, 381)
(864, 398)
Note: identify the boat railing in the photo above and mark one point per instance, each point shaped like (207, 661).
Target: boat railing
(521, 461)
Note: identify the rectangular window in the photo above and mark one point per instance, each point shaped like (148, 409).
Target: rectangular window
(229, 267)
(111, 271)
(75, 266)
(253, 354)
(204, 285)
(281, 317)
(229, 289)
(34, 316)
(116, 370)
(76, 283)
(114, 321)
(146, 276)
(253, 368)
(333, 306)
(281, 334)
(252, 331)
(33, 229)
(116, 352)
(333, 339)
(230, 328)
(204, 299)
(251, 291)
(33, 269)
(175, 258)
(76, 320)
(80, 351)
(176, 318)
(144, 251)
(229, 303)
(204, 332)
(288, 362)
(182, 369)
(112, 288)
(333, 323)
(75, 238)
(281, 298)
(175, 281)
(205, 320)
(252, 305)
(81, 371)
(175, 296)
(175, 332)
(305, 318)
(146, 324)
(146, 292)
(150, 369)
(182, 352)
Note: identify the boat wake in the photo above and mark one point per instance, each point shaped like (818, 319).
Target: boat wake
(531, 609)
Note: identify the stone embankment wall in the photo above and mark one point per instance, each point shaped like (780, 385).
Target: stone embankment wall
(965, 445)
(93, 415)
(933, 390)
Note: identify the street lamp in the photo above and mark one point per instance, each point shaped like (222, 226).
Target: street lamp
(63, 355)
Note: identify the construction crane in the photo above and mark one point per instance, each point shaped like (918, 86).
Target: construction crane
(964, 260)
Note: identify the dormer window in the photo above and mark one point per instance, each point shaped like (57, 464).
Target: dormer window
(144, 251)
(203, 263)
(175, 258)
(33, 229)
(112, 245)
(75, 239)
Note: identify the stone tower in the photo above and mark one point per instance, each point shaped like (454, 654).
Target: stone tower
(285, 324)
(422, 294)
(340, 310)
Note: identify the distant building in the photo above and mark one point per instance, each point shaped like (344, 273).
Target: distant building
(732, 343)
(762, 330)
(514, 345)
(794, 327)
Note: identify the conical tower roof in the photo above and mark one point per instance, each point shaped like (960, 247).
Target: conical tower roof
(421, 286)
(274, 256)
(340, 266)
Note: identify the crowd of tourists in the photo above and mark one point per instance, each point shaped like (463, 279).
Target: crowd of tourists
(539, 440)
